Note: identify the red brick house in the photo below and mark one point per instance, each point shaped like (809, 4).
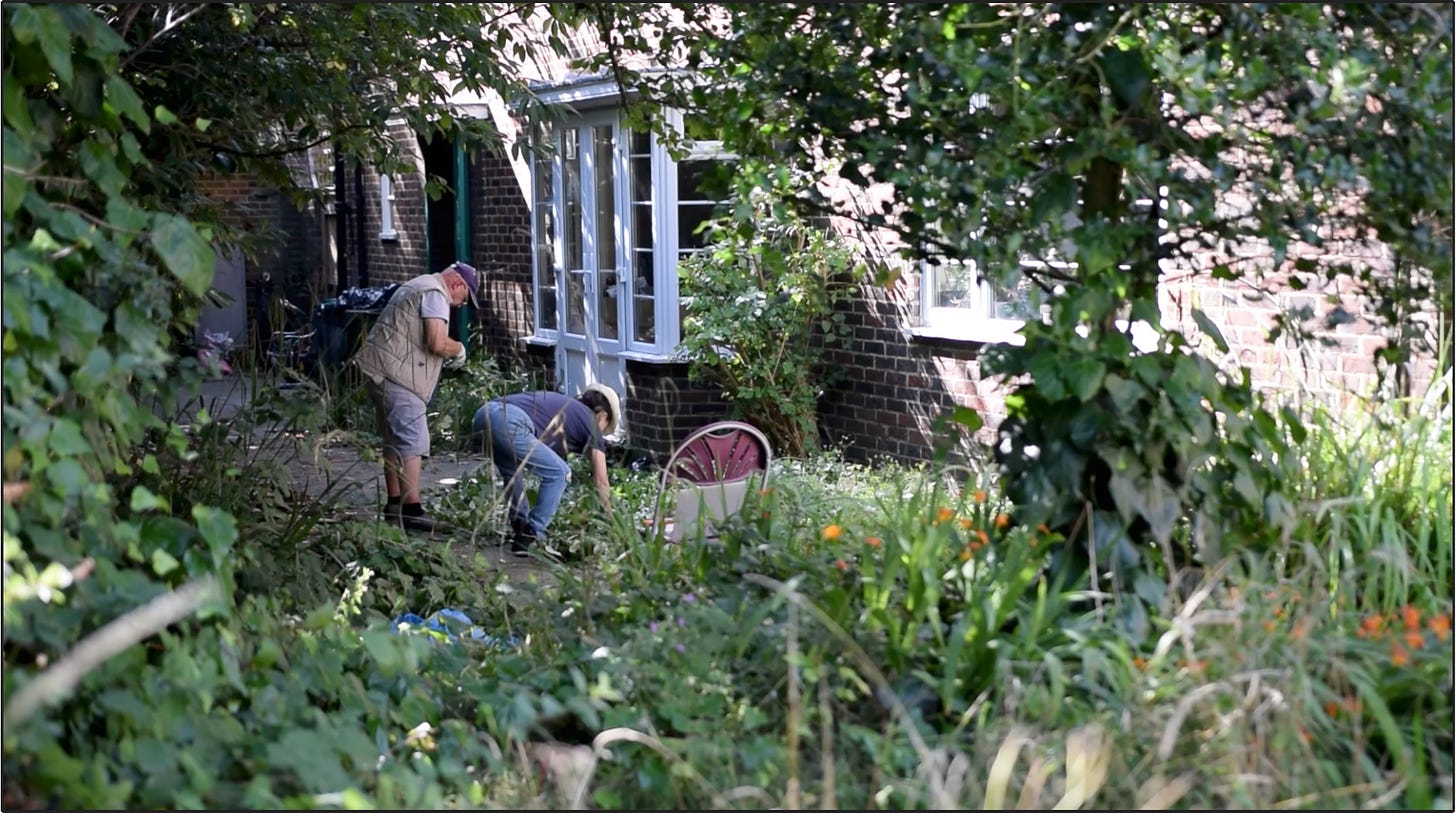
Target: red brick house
(578, 256)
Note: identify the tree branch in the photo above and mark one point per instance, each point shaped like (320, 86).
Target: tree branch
(167, 28)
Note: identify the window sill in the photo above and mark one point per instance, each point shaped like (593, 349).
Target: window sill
(627, 355)
(993, 332)
(389, 236)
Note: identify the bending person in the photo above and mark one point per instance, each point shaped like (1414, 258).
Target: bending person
(533, 432)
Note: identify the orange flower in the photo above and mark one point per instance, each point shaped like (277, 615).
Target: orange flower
(966, 554)
(983, 538)
(1043, 529)
(1441, 625)
(1411, 616)
(979, 496)
(1301, 629)
(841, 564)
(832, 532)
(944, 514)
(1398, 655)
(1370, 626)
(1332, 709)
(966, 523)
(1414, 639)
(1002, 520)
(872, 541)
(1269, 625)
(1139, 662)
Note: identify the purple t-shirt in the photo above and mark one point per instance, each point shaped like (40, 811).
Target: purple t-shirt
(576, 429)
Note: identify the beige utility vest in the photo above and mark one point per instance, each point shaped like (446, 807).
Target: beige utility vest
(395, 347)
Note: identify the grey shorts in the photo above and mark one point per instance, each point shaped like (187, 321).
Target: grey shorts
(399, 417)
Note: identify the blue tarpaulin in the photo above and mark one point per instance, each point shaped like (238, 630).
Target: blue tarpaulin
(449, 625)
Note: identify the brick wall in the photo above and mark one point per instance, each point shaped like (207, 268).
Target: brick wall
(404, 257)
(502, 255)
(1337, 368)
(663, 407)
(894, 388)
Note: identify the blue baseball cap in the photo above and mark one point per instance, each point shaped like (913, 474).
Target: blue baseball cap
(472, 280)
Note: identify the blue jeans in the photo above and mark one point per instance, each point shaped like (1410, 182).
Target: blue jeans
(516, 451)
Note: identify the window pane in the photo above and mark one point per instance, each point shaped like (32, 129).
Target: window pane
(547, 297)
(607, 304)
(646, 326)
(642, 226)
(576, 303)
(642, 180)
(545, 231)
(606, 208)
(640, 142)
(571, 217)
(643, 280)
(689, 217)
(956, 286)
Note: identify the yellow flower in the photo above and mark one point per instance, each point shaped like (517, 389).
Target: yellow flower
(832, 532)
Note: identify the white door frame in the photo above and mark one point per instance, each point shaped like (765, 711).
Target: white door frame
(587, 357)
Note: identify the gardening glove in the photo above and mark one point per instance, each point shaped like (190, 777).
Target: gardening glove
(456, 361)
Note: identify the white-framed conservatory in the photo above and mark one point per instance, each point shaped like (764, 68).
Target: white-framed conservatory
(612, 213)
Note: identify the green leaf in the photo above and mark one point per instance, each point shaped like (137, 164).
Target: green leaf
(55, 41)
(310, 757)
(163, 115)
(184, 252)
(142, 499)
(383, 647)
(218, 528)
(1084, 376)
(66, 439)
(18, 160)
(17, 109)
(127, 102)
(99, 164)
(1127, 74)
(164, 562)
(25, 23)
(1210, 329)
(969, 418)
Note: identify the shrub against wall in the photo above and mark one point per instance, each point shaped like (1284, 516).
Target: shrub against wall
(760, 312)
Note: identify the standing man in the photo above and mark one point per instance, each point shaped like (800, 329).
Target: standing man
(401, 360)
(532, 432)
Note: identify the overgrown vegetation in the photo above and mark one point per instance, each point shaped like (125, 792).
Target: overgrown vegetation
(187, 624)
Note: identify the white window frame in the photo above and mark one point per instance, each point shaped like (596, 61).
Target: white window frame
(665, 245)
(386, 208)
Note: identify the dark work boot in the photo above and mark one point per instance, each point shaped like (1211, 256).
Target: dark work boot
(414, 518)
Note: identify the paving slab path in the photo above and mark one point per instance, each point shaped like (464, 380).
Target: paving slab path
(353, 478)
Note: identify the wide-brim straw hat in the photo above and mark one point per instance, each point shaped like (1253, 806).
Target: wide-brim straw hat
(614, 405)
